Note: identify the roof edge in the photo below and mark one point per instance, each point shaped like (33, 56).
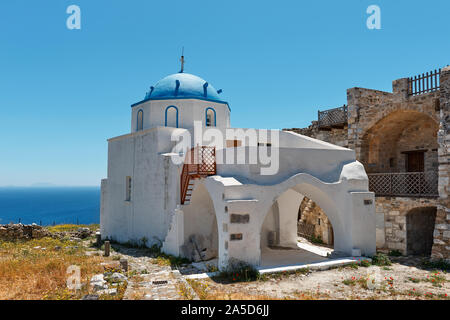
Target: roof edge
(180, 98)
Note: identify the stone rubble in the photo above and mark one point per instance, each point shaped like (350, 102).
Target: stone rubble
(11, 232)
(19, 231)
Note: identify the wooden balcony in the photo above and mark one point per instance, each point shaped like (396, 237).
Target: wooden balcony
(199, 162)
(404, 184)
(333, 118)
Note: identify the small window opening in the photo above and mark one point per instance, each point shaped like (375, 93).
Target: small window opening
(140, 120)
(128, 188)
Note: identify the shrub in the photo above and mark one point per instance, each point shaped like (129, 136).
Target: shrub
(317, 240)
(365, 263)
(239, 271)
(380, 259)
(437, 264)
(395, 253)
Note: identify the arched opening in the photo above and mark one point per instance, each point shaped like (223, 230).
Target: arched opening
(313, 224)
(419, 230)
(210, 117)
(290, 231)
(140, 120)
(400, 155)
(200, 227)
(400, 142)
(171, 117)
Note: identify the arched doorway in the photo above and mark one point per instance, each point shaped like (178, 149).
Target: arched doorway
(419, 230)
(282, 241)
(200, 226)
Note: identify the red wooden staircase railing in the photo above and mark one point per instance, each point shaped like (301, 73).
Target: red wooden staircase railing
(200, 162)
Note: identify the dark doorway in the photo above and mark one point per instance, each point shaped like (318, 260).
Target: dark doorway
(415, 161)
(419, 230)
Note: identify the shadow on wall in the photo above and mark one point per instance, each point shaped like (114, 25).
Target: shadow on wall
(200, 226)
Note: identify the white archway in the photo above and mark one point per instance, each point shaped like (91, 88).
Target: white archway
(348, 204)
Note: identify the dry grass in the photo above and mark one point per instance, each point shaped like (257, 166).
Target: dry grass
(28, 273)
(205, 291)
(72, 227)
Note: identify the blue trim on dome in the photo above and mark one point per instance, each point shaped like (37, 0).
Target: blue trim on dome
(177, 98)
(183, 86)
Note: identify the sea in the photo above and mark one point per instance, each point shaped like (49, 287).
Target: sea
(50, 205)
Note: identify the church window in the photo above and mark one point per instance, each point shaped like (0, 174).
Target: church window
(171, 119)
(210, 115)
(140, 120)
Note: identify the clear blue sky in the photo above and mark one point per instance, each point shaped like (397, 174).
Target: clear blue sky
(64, 92)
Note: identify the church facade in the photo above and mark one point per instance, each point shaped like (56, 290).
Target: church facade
(185, 180)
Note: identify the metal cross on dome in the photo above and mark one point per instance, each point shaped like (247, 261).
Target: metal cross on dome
(182, 61)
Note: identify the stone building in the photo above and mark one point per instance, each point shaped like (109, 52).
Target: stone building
(402, 140)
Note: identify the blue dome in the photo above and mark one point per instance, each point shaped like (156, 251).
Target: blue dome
(183, 85)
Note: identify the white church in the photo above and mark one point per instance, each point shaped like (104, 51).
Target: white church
(225, 193)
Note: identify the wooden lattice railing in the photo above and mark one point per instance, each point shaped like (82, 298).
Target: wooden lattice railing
(306, 230)
(407, 184)
(336, 117)
(199, 162)
(427, 82)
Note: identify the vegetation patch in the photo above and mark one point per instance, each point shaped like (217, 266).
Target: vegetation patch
(72, 227)
(206, 291)
(380, 259)
(395, 253)
(239, 272)
(353, 281)
(436, 279)
(365, 263)
(282, 274)
(316, 240)
(37, 269)
(436, 265)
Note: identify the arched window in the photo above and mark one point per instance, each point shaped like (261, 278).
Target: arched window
(140, 120)
(210, 117)
(171, 117)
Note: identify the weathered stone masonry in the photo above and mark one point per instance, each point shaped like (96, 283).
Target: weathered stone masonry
(386, 130)
(441, 244)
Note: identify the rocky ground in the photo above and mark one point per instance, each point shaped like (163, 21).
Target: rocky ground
(141, 273)
(404, 279)
(147, 276)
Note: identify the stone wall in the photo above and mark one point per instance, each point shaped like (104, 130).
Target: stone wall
(383, 127)
(379, 123)
(441, 244)
(391, 217)
(337, 136)
(310, 213)
(12, 232)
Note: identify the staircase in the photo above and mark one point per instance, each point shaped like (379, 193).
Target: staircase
(200, 162)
